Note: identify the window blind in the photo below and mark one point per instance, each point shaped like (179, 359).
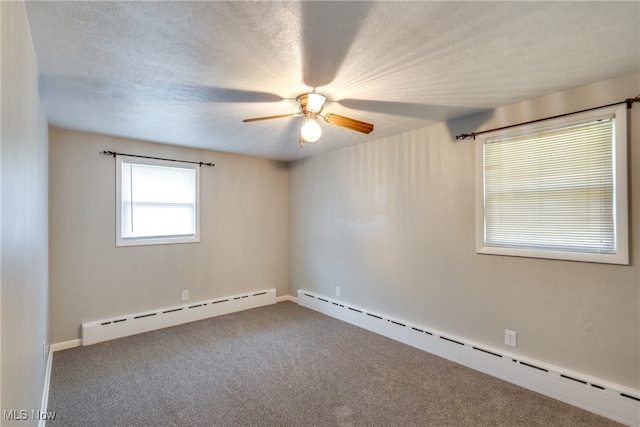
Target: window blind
(157, 201)
(552, 190)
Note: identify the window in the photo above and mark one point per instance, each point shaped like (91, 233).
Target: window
(157, 202)
(558, 191)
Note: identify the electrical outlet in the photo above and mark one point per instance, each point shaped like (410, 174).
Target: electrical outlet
(185, 295)
(337, 291)
(510, 337)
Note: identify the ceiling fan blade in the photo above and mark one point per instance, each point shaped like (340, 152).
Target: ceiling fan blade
(348, 123)
(280, 116)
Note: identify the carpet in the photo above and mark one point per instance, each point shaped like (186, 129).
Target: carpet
(284, 365)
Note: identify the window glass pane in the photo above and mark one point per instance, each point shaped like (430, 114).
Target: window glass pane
(161, 220)
(158, 184)
(157, 201)
(552, 190)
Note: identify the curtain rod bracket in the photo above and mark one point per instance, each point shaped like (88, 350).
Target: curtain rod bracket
(108, 153)
(466, 135)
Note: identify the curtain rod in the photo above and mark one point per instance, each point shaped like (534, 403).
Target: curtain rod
(114, 154)
(628, 101)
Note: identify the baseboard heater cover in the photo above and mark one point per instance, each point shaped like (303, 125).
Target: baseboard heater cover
(122, 326)
(604, 398)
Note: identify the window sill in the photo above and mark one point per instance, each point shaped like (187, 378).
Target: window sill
(620, 258)
(157, 241)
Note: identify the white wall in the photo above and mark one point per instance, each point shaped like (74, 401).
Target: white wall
(243, 239)
(23, 232)
(392, 223)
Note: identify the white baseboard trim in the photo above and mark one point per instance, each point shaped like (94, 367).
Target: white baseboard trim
(286, 298)
(604, 398)
(78, 342)
(45, 389)
(122, 326)
(44, 414)
(65, 345)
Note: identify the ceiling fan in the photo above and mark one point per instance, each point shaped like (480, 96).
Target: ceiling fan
(311, 105)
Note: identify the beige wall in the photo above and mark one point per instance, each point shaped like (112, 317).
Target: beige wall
(243, 239)
(392, 223)
(23, 232)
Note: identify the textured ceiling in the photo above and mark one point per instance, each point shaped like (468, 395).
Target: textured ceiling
(188, 73)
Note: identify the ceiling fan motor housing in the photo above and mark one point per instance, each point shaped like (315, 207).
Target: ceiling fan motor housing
(311, 102)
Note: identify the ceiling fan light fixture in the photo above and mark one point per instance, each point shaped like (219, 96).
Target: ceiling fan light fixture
(311, 130)
(315, 102)
(311, 105)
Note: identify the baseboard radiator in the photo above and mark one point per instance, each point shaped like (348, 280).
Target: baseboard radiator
(610, 400)
(122, 326)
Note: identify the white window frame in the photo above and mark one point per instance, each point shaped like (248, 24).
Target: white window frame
(138, 241)
(621, 224)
